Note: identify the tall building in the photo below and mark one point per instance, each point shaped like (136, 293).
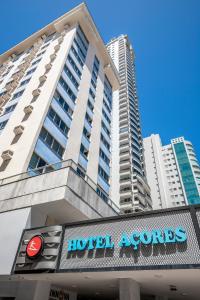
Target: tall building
(128, 170)
(52, 99)
(57, 242)
(55, 129)
(173, 172)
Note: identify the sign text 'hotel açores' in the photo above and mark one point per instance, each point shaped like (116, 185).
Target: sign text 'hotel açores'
(157, 236)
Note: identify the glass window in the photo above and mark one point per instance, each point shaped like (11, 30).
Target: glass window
(71, 76)
(51, 142)
(67, 89)
(9, 108)
(74, 66)
(3, 124)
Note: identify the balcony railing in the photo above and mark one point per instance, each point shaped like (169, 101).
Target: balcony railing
(54, 167)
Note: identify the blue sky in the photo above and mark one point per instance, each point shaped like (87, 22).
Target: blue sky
(166, 38)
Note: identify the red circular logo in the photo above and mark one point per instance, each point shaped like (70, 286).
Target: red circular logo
(35, 246)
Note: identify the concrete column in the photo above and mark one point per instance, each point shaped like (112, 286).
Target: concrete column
(33, 290)
(128, 289)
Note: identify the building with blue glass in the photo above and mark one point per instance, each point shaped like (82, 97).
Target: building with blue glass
(173, 172)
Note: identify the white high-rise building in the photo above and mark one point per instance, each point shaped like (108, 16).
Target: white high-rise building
(173, 172)
(129, 187)
(52, 103)
(55, 129)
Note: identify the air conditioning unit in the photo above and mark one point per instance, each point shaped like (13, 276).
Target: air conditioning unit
(56, 48)
(7, 154)
(52, 56)
(60, 39)
(28, 109)
(13, 55)
(18, 129)
(48, 67)
(36, 92)
(44, 36)
(43, 78)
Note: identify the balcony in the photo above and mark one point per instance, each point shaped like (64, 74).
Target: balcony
(124, 165)
(126, 194)
(126, 205)
(124, 140)
(123, 122)
(124, 148)
(124, 156)
(125, 183)
(123, 134)
(56, 190)
(123, 115)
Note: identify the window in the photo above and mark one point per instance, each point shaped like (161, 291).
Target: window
(41, 53)
(31, 71)
(51, 142)
(83, 35)
(71, 76)
(25, 82)
(102, 194)
(36, 162)
(58, 121)
(80, 171)
(3, 93)
(90, 105)
(106, 105)
(76, 69)
(36, 62)
(86, 133)
(106, 116)
(104, 156)
(93, 84)
(77, 56)
(104, 141)
(96, 62)
(103, 174)
(3, 124)
(81, 51)
(45, 46)
(105, 128)
(67, 89)
(63, 104)
(88, 118)
(17, 95)
(84, 151)
(83, 43)
(91, 94)
(94, 76)
(10, 108)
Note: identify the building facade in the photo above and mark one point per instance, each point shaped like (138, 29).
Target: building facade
(173, 172)
(55, 128)
(52, 100)
(61, 237)
(128, 170)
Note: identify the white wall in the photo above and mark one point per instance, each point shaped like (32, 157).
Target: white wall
(12, 224)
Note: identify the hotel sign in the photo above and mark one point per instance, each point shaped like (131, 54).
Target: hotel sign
(162, 239)
(133, 240)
